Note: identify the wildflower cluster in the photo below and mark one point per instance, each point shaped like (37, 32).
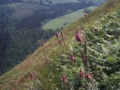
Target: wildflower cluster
(86, 66)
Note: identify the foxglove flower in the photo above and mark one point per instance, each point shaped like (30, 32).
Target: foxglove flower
(31, 75)
(89, 75)
(64, 78)
(85, 14)
(84, 60)
(62, 34)
(82, 74)
(72, 57)
(78, 37)
(60, 42)
(57, 34)
(43, 43)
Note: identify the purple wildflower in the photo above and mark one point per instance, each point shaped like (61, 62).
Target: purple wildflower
(89, 75)
(64, 78)
(60, 42)
(62, 35)
(85, 14)
(84, 59)
(78, 37)
(82, 74)
(72, 57)
(31, 75)
(43, 43)
(57, 34)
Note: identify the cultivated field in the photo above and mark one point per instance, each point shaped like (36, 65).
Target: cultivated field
(65, 20)
(25, 9)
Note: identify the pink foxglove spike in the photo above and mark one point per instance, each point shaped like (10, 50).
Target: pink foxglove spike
(31, 75)
(64, 78)
(78, 37)
(72, 57)
(57, 34)
(89, 75)
(85, 14)
(43, 43)
(82, 74)
(62, 35)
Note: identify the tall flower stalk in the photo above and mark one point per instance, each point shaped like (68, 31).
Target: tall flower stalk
(85, 58)
(57, 35)
(78, 36)
(32, 75)
(64, 79)
(43, 46)
(63, 37)
(86, 16)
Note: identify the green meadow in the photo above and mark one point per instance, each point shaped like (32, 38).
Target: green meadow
(65, 20)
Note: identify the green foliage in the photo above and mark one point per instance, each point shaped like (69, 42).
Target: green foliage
(103, 58)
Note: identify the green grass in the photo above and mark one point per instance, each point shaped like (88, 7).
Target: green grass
(65, 20)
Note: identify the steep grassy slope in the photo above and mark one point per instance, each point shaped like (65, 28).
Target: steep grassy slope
(100, 47)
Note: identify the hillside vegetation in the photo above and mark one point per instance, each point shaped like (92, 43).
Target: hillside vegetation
(85, 56)
(21, 29)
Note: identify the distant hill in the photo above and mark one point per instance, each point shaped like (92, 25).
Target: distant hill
(9, 1)
(50, 2)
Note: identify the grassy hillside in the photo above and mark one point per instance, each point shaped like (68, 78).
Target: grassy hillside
(93, 63)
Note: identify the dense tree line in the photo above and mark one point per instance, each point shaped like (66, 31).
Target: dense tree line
(5, 12)
(9, 1)
(17, 44)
